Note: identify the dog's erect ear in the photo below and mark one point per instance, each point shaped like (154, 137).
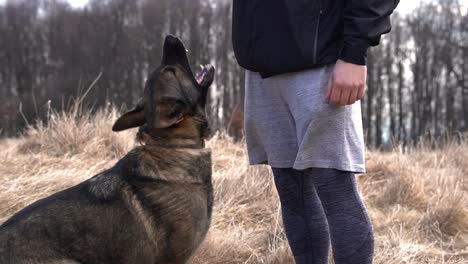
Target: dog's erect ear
(133, 118)
(170, 111)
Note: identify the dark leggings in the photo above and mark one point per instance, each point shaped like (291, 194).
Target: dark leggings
(319, 204)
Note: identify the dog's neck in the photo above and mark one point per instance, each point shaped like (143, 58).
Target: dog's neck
(174, 161)
(175, 142)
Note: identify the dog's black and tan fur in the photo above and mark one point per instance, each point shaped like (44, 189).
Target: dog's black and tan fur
(153, 206)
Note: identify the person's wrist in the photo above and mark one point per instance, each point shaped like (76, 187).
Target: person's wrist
(348, 63)
(355, 54)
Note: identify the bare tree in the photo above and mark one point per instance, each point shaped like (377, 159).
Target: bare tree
(417, 85)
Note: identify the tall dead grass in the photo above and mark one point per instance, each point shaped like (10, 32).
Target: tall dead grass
(417, 201)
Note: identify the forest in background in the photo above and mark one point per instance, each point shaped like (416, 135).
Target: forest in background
(50, 53)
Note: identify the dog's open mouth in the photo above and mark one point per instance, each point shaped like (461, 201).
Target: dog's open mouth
(205, 75)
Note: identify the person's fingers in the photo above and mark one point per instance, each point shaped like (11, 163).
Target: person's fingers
(335, 95)
(344, 98)
(361, 92)
(353, 95)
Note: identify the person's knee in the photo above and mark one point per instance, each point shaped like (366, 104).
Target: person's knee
(352, 239)
(363, 255)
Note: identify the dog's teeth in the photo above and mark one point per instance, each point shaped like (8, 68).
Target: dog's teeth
(186, 50)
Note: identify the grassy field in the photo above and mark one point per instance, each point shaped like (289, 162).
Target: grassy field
(418, 201)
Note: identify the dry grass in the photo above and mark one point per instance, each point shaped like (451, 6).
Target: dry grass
(418, 201)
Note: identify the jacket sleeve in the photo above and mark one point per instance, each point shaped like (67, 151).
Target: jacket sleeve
(364, 23)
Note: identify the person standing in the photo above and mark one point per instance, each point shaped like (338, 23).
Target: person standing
(305, 64)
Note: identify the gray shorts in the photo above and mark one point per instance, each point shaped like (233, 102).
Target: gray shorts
(289, 124)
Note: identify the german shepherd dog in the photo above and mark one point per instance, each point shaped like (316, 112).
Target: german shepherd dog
(153, 206)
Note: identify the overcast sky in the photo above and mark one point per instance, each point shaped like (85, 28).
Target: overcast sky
(80, 3)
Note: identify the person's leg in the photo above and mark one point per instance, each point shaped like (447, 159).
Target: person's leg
(304, 220)
(350, 226)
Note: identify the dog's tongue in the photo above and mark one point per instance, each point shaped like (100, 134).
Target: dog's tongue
(203, 74)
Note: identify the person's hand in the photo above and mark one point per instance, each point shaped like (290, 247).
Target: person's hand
(347, 83)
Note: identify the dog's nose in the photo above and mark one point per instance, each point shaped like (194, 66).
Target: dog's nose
(172, 40)
(173, 45)
(174, 52)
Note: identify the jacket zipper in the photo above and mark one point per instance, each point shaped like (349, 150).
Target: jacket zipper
(316, 32)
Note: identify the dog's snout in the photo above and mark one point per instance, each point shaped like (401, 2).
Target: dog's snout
(174, 52)
(171, 39)
(172, 42)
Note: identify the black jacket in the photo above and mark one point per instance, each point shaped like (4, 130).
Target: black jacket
(280, 36)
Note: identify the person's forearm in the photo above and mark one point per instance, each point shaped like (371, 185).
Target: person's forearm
(364, 23)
